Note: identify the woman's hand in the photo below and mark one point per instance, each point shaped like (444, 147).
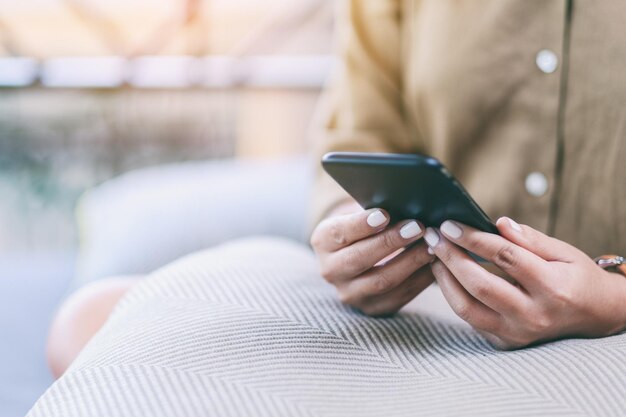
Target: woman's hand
(557, 292)
(356, 253)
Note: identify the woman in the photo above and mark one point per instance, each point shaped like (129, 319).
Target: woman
(524, 101)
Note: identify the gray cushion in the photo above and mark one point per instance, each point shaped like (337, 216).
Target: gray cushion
(147, 218)
(251, 329)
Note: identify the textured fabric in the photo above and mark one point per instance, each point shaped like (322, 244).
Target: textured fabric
(460, 80)
(251, 329)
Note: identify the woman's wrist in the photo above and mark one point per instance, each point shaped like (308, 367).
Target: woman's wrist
(617, 292)
(622, 304)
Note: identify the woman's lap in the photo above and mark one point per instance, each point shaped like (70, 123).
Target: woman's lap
(251, 329)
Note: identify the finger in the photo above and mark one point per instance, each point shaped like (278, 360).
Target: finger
(489, 289)
(527, 268)
(385, 278)
(464, 305)
(546, 247)
(359, 257)
(338, 232)
(496, 341)
(394, 300)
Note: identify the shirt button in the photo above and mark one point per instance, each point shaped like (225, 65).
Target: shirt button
(536, 184)
(547, 61)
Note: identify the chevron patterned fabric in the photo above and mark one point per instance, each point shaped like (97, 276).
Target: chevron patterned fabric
(250, 329)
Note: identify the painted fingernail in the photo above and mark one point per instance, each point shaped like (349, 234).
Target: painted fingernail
(376, 218)
(431, 237)
(451, 229)
(514, 225)
(430, 251)
(410, 230)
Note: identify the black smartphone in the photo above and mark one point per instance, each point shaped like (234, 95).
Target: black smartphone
(408, 186)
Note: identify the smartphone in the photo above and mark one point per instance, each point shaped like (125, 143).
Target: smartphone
(408, 186)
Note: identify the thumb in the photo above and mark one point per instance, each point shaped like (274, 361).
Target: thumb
(542, 245)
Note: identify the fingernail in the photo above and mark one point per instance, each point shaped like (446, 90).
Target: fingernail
(451, 229)
(431, 237)
(376, 218)
(430, 251)
(410, 230)
(514, 225)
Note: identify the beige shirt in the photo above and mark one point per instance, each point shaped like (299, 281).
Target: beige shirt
(523, 100)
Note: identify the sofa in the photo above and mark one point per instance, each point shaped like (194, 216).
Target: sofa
(233, 319)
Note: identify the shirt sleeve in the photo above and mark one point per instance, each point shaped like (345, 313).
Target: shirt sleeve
(363, 109)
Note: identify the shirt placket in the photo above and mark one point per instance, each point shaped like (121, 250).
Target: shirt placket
(541, 181)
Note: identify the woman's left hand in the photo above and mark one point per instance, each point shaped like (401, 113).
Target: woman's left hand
(557, 292)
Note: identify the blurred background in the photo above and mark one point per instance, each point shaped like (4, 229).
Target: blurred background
(92, 89)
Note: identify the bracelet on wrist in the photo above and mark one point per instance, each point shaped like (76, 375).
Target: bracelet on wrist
(612, 263)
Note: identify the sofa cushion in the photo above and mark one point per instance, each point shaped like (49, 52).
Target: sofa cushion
(250, 328)
(147, 218)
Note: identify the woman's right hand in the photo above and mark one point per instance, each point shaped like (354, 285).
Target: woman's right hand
(356, 253)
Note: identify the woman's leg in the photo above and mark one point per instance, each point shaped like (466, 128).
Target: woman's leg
(80, 317)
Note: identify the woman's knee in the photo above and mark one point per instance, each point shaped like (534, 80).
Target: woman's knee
(80, 317)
